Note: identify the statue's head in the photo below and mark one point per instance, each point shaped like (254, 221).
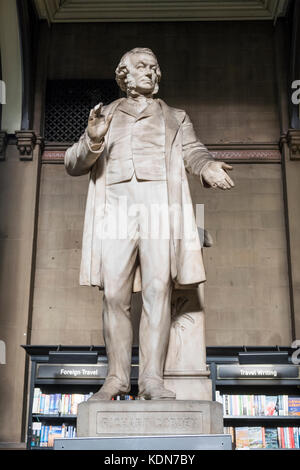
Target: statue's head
(138, 72)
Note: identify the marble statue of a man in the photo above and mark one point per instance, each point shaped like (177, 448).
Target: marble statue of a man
(137, 150)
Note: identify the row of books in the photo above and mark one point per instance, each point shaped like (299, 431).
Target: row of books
(44, 435)
(259, 405)
(264, 438)
(124, 397)
(57, 403)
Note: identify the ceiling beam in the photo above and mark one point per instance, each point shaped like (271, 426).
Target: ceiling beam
(61, 11)
(47, 9)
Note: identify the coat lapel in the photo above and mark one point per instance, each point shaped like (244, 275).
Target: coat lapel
(172, 122)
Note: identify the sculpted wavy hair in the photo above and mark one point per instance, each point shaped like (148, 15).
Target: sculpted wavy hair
(123, 78)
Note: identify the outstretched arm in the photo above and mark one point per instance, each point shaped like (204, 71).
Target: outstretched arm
(200, 162)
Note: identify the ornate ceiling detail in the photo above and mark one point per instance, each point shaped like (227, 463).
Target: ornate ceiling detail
(65, 11)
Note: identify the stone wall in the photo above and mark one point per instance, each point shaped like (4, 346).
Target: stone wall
(247, 293)
(222, 73)
(247, 288)
(18, 185)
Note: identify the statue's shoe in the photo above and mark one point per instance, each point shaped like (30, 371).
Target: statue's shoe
(108, 391)
(156, 392)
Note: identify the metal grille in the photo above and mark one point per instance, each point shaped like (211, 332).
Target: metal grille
(68, 104)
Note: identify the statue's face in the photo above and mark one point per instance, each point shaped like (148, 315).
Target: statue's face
(142, 69)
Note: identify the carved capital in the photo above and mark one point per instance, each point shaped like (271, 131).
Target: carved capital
(41, 142)
(282, 141)
(3, 142)
(293, 141)
(26, 141)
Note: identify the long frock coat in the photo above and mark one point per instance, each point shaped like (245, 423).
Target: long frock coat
(183, 152)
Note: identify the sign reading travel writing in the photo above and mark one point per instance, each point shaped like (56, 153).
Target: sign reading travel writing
(276, 371)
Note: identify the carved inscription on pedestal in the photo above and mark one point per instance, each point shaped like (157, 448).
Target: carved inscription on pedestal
(143, 422)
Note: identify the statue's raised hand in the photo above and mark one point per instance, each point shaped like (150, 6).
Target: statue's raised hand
(97, 124)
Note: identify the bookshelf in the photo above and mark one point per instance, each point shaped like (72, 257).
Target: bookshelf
(62, 373)
(235, 371)
(257, 387)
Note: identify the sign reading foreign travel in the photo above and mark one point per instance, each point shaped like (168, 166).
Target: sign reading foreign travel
(75, 371)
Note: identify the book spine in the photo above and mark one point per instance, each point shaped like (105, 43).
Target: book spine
(57, 403)
(286, 405)
(36, 400)
(279, 437)
(33, 438)
(240, 404)
(73, 404)
(296, 438)
(280, 405)
(264, 437)
(65, 406)
(51, 406)
(282, 438)
(226, 405)
(47, 428)
(38, 436)
(263, 404)
(286, 438)
(42, 404)
(61, 405)
(42, 440)
(292, 440)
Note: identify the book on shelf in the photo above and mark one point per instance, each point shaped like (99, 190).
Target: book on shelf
(242, 438)
(57, 403)
(294, 406)
(36, 434)
(43, 435)
(256, 437)
(270, 408)
(271, 439)
(124, 397)
(62, 403)
(260, 437)
(259, 405)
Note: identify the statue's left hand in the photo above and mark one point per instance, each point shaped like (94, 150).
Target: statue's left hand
(214, 175)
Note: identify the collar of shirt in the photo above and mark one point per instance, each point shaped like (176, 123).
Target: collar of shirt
(128, 107)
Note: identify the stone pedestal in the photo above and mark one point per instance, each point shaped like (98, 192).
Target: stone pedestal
(191, 385)
(185, 371)
(149, 417)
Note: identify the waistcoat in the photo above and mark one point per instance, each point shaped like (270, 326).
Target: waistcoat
(136, 144)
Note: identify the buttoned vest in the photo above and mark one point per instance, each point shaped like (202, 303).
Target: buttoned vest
(136, 144)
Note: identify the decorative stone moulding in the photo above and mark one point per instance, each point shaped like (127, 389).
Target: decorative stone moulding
(40, 141)
(54, 153)
(293, 141)
(26, 141)
(3, 142)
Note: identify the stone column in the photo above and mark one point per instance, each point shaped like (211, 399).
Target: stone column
(287, 70)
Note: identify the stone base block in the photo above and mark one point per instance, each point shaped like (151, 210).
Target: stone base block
(149, 417)
(133, 443)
